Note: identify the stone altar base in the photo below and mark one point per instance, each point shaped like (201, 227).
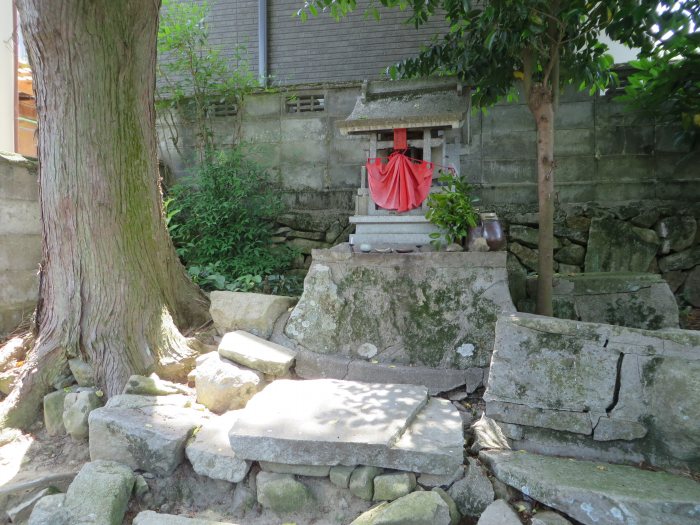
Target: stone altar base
(430, 309)
(332, 422)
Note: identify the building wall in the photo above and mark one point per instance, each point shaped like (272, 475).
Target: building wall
(320, 49)
(7, 78)
(20, 240)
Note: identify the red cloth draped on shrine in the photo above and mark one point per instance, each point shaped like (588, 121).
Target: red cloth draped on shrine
(402, 184)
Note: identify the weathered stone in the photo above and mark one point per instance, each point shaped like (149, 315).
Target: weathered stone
(549, 518)
(637, 300)
(499, 513)
(221, 385)
(578, 222)
(390, 300)
(455, 515)
(517, 277)
(50, 510)
(684, 260)
(340, 476)
(566, 269)
(678, 230)
(571, 234)
(77, 407)
(646, 219)
(617, 246)
(150, 437)
(609, 429)
(310, 365)
(527, 256)
(675, 279)
(256, 353)
(417, 508)
(369, 517)
(312, 236)
(82, 372)
(474, 492)
(98, 495)
(572, 254)
(148, 517)
(327, 422)
(315, 471)
(253, 312)
(20, 512)
(488, 435)
(210, 453)
(8, 379)
(152, 386)
(432, 480)
(53, 413)
(524, 235)
(362, 481)
(629, 379)
(388, 487)
(306, 246)
(601, 494)
(691, 288)
(281, 492)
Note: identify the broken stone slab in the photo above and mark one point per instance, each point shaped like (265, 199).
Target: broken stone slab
(315, 471)
(331, 422)
(20, 512)
(609, 429)
(148, 517)
(281, 492)
(210, 454)
(577, 422)
(99, 495)
(597, 493)
(256, 353)
(474, 492)
(417, 508)
(499, 513)
(222, 385)
(253, 312)
(151, 437)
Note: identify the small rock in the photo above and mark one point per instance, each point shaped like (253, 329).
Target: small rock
(573, 254)
(20, 513)
(569, 269)
(455, 516)
(63, 381)
(499, 513)
(141, 487)
(691, 288)
(367, 350)
(340, 476)
(549, 518)
(417, 508)
(528, 257)
(82, 372)
(152, 386)
(454, 247)
(684, 260)
(50, 510)
(222, 385)
(388, 487)
(502, 491)
(488, 435)
(474, 492)
(253, 312)
(434, 480)
(317, 471)
(76, 409)
(478, 244)
(523, 507)
(679, 231)
(362, 482)
(210, 453)
(281, 492)
(53, 413)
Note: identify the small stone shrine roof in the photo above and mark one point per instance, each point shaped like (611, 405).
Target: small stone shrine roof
(386, 105)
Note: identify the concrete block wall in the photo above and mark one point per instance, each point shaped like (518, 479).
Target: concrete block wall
(20, 240)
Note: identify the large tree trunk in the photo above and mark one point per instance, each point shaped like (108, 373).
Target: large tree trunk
(112, 288)
(540, 103)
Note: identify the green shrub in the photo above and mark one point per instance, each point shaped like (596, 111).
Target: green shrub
(221, 222)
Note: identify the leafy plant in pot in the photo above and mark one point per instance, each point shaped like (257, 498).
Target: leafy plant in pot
(452, 210)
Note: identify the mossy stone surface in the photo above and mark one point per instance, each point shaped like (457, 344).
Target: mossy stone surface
(281, 492)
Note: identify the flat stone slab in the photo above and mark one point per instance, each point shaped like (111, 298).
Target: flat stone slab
(599, 493)
(256, 353)
(333, 422)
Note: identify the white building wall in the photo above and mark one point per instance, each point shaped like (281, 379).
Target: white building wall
(7, 78)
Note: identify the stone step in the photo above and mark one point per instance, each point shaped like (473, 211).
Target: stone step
(599, 493)
(410, 239)
(333, 422)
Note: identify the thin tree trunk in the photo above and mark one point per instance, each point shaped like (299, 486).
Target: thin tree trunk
(112, 288)
(540, 103)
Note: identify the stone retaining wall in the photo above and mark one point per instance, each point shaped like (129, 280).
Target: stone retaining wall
(20, 240)
(596, 391)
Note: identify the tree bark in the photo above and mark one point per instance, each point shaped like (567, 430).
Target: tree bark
(540, 103)
(111, 286)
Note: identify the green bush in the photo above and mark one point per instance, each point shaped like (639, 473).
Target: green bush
(221, 222)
